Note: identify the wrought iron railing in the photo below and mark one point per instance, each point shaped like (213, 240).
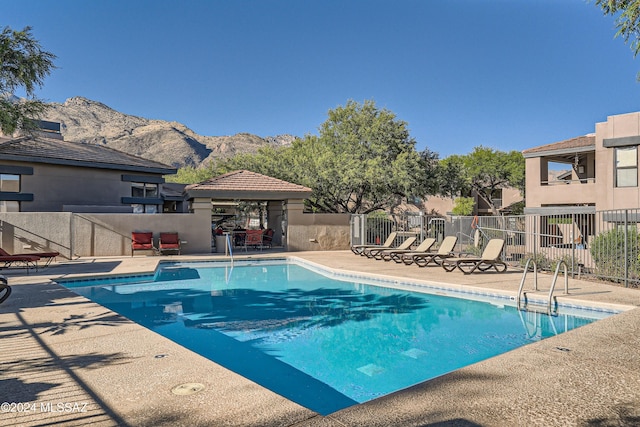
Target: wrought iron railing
(603, 245)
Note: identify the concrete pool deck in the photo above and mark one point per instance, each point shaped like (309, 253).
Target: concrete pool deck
(70, 361)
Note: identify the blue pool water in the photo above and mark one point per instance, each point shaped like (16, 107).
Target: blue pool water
(324, 343)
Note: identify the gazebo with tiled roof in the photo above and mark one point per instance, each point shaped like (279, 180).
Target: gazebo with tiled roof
(284, 199)
(247, 185)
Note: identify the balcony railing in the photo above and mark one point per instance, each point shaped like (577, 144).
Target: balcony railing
(568, 181)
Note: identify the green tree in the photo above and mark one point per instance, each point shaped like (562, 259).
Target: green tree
(463, 206)
(271, 161)
(277, 162)
(362, 160)
(23, 65)
(190, 175)
(627, 13)
(489, 170)
(453, 180)
(431, 166)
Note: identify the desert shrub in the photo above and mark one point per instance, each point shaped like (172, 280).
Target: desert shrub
(540, 259)
(567, 260)
(608, 252)
(544, 263)
(475, 251)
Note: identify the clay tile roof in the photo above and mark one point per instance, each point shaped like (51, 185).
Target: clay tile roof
(581, 142)
(56, 151)
(244, 183)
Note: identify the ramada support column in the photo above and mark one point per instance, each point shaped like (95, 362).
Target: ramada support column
(201, 208)
(275, 216)
(293, 215)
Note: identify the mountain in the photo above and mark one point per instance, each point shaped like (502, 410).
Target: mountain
(172, 143)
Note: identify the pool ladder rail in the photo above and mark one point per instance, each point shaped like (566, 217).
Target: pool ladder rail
(521, 300)
(228, 248)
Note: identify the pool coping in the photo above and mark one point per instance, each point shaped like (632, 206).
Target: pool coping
(462, 290)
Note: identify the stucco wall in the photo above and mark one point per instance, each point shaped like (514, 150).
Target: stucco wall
(55, 186)
(438, 204)
(104, 234)
(599, 167)
(318, 232)
(556, 194)
(607, 195)
(83, 235)
(97, 234)
(36, 232)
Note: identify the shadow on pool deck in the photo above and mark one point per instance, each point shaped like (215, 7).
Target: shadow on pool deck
(60, 348)
(26, 358)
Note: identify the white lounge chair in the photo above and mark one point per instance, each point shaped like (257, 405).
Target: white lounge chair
(379, 253)
(490, 258)
(396, 254)
(359, 249)
(423, 259)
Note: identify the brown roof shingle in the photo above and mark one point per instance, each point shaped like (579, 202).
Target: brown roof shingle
(56, 151)
(585, 141)
(247, 182)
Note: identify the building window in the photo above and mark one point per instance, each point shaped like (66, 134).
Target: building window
(9, 183)
(9, 206)
(144, 190)
(142, 208)
(626, 166)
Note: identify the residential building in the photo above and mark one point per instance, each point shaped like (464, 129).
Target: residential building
(504, 198)
(600, 170)
(584, 186)
(44, 173)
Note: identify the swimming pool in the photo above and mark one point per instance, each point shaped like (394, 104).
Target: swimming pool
(324, 342)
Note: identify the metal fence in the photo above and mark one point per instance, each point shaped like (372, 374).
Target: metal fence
(374, 229)
(604, 245)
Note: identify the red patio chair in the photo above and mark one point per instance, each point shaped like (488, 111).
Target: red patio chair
(169, 242)
(267, 237)
(253, 238)
(142, 241)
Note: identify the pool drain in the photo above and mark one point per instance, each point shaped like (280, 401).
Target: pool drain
(187, 389)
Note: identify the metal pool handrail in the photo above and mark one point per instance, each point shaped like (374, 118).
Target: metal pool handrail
(228, 248)
(524, 276)
(553, 284)
(535, 282)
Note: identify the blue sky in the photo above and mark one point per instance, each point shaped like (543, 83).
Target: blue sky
(507, 74)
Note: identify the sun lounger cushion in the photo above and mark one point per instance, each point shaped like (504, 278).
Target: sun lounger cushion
(169, 242)
(141, 241)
